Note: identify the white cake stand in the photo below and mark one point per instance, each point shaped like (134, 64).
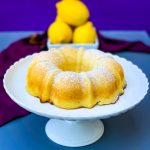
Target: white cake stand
(78, 127)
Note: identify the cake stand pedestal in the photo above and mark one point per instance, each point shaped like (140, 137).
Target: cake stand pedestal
(77, 127)
(74, 133)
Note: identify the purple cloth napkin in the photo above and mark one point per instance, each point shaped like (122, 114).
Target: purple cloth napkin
(115, 45)
(8, 109)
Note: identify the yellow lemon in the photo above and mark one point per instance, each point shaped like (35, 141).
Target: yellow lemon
(59, 32)
(84, 34)
(58, 19)
(73, 12)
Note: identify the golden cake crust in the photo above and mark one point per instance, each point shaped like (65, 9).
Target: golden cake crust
(71, 78)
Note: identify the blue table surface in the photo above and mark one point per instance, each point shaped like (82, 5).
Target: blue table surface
(128, 131)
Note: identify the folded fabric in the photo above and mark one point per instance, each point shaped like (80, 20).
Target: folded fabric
(35, 43)
(8, 109)
(115, 45)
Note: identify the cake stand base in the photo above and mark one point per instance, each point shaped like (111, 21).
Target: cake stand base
(74, 133)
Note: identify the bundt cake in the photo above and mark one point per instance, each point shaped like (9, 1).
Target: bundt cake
(71, 78)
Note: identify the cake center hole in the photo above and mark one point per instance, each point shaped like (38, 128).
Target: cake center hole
(79, 66)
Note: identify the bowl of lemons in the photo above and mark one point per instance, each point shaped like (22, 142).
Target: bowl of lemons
(72, 26)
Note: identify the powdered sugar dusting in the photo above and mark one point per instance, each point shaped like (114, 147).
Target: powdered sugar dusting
(101, 73)
(83, 75)
(41, 55)
(46, 65)
(98, 54)
(68, 77)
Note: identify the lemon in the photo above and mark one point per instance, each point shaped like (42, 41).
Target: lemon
(84, 34)
(58, 19)
(73, 12)
(59, 32)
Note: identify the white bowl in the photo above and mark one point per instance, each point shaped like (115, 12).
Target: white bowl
(86, 46)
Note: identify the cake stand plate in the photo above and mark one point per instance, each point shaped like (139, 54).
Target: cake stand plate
(77, 127)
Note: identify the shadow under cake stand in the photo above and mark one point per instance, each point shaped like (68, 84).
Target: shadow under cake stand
(78, 127)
